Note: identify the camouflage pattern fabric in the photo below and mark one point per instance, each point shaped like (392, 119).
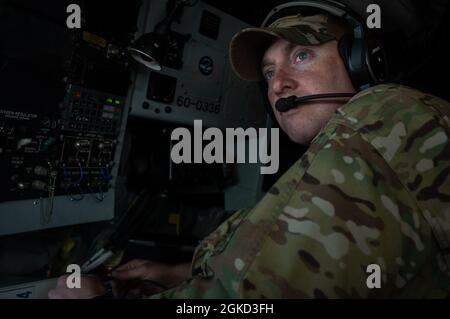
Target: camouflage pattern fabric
(373, 188)
(311, 30)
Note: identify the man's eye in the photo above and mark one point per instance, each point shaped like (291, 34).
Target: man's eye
(268, 75)
(302, 56)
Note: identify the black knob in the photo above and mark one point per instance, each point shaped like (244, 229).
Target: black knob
(168, 109)
(146, 105)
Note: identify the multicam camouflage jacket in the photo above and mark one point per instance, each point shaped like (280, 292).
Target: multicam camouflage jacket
(373, 188)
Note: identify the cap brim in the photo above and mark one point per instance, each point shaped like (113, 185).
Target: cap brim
(247, 47)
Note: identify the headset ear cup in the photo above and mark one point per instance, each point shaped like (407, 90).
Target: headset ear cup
(344, 47)
(352, 53)
(377, 63)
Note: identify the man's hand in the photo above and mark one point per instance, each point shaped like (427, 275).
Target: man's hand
(90, 287)
(164, 274)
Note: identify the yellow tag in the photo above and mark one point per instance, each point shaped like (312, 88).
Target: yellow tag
(68, 245)
(174, 219)
(94, 39)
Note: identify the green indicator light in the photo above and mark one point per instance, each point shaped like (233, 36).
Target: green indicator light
(49, 141)
(117, 102)
(109, 100)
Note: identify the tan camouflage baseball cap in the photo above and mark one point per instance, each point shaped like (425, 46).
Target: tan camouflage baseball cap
(248, 46)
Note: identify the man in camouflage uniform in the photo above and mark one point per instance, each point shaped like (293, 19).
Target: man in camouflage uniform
(373, 187)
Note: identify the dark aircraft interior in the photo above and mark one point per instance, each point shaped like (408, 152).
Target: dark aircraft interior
(85, 126)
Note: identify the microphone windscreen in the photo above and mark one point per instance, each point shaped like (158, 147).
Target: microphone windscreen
(284, 104)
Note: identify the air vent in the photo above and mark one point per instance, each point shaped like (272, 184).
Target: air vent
(210, 25)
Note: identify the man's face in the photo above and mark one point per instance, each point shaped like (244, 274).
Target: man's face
(304, 70)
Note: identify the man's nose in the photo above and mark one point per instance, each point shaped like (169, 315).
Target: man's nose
(283, 82)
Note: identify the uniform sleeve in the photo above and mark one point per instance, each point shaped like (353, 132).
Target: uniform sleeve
(348, 211)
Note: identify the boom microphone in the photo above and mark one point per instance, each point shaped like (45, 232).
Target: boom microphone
(285, 104)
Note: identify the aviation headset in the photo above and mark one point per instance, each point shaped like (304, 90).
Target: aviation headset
(364, 59)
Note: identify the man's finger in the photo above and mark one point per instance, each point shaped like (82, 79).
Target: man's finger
(62, 281)
(57, 294)
(133, 273)
(52, 294)
(131, 264)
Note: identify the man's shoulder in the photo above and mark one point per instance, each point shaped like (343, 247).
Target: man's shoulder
(388, 93)
(387, 104)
